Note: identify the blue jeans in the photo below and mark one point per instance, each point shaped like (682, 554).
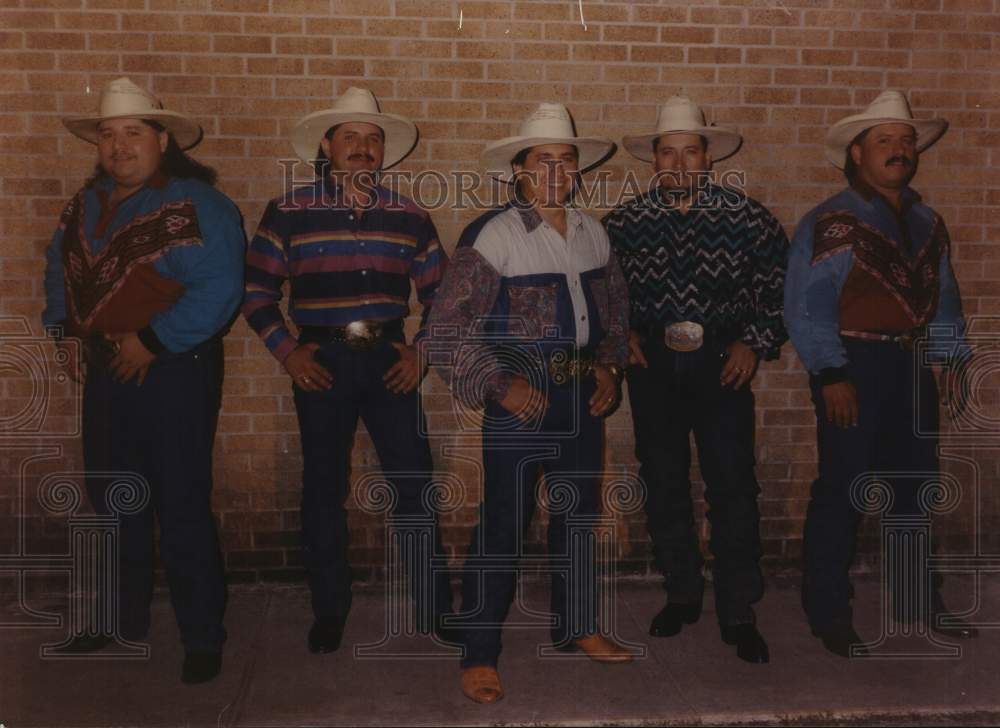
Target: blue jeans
(885, 441)
(327, 422)
(164, 431)
(512, 458)
(679, 393)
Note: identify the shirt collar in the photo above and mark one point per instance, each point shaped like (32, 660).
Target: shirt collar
(657, 196)
(907, 198)
(532, 218)
(333, 198)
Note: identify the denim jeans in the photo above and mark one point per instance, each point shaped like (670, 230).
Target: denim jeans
(327, 422)
(888, 385)
(162, 430)
(513, 457)
(679, 393)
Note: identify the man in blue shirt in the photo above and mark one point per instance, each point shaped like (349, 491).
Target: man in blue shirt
(869, 270)
(146, 269)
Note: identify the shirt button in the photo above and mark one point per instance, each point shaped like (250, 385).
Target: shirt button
(364, 272)
(362, 244)
(350, 217)
(583, 318)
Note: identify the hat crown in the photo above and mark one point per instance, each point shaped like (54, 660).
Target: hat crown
(890, 105)
(122, 96)
(679, 113)
(357, 100)
(548, 120)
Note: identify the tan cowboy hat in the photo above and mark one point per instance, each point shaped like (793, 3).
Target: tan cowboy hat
(122, 99)
(680, 115)
(355, 104)
(890, 107)
(548, 124)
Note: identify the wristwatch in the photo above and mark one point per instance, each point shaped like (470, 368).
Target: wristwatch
(616, 372)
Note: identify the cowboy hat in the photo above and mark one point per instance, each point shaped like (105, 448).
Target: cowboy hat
(890, 107)
(122, 99)
(355, 104)
(680, 115)
(548, 124)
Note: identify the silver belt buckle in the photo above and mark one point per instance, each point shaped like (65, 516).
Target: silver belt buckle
(684, 336)
(361, 335)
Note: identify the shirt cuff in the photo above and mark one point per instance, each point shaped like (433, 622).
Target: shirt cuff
(833, 375)
(150, 340)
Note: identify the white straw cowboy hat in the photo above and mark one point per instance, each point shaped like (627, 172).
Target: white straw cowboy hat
(548, 124)
(680, 115)
(890, 107)
(355, 104)
(122, 99)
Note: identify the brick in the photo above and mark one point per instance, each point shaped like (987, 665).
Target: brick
(255, 25)
(276, 66)
(150, 22)
(602, 52)
(655, 54)
(362, 47)
(305, 46)
(811, 57)
(87, 21)
(336, 67)
(186, 43)
(662, 15)
(54, 41)
(744, 36)
(542, 51)
(241, 44)
(539, 11)
(714, 55)
(684, 35)
(629, 33)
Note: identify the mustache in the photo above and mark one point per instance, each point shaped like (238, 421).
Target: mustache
(904, 160)
(363, 157)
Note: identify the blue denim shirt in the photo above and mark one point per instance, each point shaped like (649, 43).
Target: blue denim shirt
(814, 282)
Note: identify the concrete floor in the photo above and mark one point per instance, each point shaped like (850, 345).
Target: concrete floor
(269, 678)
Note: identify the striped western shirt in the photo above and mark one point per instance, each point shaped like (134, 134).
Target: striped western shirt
(342, 266)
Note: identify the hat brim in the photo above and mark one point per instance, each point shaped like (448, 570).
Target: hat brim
(400, 133)
(497, 155)
(186, 133)
(844, 131)
(722, 142)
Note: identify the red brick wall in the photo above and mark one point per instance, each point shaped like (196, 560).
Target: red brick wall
(467, 72)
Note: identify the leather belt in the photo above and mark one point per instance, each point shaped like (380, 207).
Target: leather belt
(360, 335)
(904, 339)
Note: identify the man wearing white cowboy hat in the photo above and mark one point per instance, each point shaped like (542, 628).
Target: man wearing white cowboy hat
(869, 270)
(704, 265)
(147, 269)
(543, 274)
(350, 249)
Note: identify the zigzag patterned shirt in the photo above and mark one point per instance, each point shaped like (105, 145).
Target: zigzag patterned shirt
(722, 264)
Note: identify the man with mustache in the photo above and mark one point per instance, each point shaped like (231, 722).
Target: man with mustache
(534, 309)
(350, 249)
(146, 269)
(705, 265)
(869, 270)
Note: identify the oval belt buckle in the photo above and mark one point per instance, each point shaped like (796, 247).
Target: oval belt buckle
(684, 336)
(360, 335)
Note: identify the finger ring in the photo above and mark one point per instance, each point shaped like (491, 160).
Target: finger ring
(305, 379)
